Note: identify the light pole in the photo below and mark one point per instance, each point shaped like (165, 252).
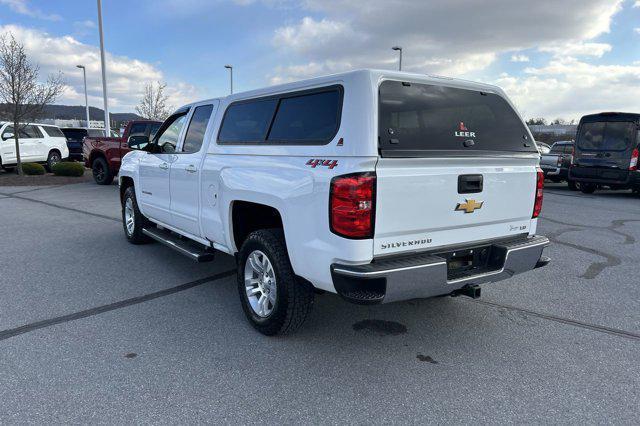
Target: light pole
(400, 62)
(107, 125)
(230, 68)
(86, 99)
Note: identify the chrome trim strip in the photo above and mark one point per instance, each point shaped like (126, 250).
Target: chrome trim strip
(384, 271)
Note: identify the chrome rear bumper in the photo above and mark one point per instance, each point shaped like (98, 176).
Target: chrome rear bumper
(428, 275)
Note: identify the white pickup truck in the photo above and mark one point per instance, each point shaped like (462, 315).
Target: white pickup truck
(379, 186)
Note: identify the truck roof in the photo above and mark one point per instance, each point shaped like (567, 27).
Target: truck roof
(373, 76)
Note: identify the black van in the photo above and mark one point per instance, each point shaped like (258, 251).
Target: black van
(606, 152)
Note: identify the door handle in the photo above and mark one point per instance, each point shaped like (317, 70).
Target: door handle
(164, 166)
(470, 184)
(191, 168)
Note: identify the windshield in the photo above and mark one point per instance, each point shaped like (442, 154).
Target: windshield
(606, 136)
(421, 117)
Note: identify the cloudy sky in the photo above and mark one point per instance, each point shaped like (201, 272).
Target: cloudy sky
(555, 58)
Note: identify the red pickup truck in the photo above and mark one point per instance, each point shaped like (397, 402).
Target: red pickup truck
(103, 155)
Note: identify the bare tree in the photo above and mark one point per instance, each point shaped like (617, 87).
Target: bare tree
(153, 104)
(24, 97)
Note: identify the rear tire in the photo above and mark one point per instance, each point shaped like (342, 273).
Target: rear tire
(132, 219)
(587, 188)
(264, 269)
(53, 159)
(101, 172)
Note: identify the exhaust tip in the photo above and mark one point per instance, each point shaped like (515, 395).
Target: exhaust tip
(472, 291)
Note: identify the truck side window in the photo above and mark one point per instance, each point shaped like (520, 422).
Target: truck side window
(195, 132)
(168, 139)
(247, 121)
(307, 118)
(138, 129)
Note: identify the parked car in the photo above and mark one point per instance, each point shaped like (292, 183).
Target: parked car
(556, 163)
(75, 137)
(377, 185)
(39, 143)
(543, 148)
(103, 155)
(607, 152)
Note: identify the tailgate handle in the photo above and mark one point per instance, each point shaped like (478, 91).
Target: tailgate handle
(469, 184)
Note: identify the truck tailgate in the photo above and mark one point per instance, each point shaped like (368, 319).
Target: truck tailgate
(419, 207)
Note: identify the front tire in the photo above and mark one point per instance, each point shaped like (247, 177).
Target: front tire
(101, 172)
(53, 159)
(132, 219)
(273, 299)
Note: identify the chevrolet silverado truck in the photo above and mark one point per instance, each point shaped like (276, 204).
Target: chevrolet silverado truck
(378, 186)
(103, 155)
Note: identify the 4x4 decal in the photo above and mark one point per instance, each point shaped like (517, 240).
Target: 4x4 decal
(315, 162)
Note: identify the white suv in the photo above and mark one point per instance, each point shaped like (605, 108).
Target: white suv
(39, 143)
(378, 186)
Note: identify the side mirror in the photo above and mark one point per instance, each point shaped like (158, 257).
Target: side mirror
(7, 136)
(138, 142)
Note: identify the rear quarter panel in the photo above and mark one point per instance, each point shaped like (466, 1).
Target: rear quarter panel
(299, 192)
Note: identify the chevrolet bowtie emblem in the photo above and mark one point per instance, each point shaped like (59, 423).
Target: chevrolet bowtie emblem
(470, 206)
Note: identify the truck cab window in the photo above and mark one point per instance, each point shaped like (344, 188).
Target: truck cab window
(195, 132)
(167, 140)
(138, 129)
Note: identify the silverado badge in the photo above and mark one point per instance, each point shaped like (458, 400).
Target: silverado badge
(470, 206)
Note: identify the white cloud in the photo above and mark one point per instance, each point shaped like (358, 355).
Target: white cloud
(637, 3)
(310, 34)
(126, 76)
(519, 58)
(577, 49)
(22, 7)
(637, 30)
(570, 88)
(360, 34)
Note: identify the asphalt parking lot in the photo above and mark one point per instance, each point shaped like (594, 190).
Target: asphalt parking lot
(93, 329)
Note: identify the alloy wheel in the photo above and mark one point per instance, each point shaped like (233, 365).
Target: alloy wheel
(129, 216)
(260, 283)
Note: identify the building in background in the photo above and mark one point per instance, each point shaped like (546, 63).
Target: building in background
(550, 133)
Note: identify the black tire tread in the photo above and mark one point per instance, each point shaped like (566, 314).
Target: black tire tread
(107, 172)
(298, 295)
(48, 166)
(138, 236)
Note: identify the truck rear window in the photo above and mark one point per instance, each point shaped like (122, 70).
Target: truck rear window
(606, 136)
(421, 119)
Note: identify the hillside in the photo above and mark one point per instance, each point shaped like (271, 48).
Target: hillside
(77, 112)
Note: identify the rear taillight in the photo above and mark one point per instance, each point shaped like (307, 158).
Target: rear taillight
(352, 205)
(633, 164)
(537, 205)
